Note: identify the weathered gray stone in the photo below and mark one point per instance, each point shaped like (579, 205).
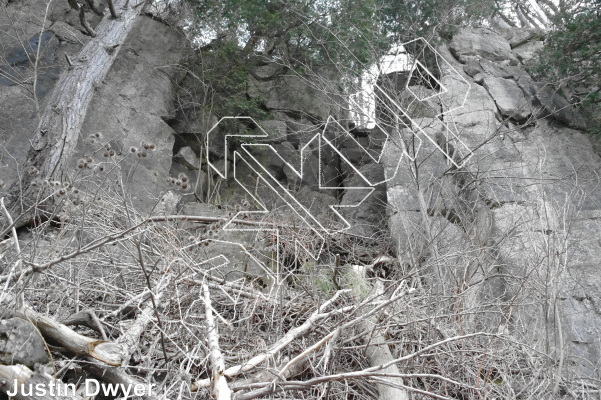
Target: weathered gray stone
(129, 108)
(508, 97)
(197, 182)
(369, 218)
(167, 204)
(276, 129)
(318, 204)
(529, 194)
(552, 103)
(496, 70)
(267, 157)
(481, 43)
(410, 100)
(519, 36)
(21, 343)
(472, 67)
(479, 78)
(477, 112)
(526, 52)
(301, 131)
(294, 94)
(188, 158)
(310, 170)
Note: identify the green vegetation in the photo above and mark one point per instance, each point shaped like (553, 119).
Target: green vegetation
(303, 36)
(572, 56)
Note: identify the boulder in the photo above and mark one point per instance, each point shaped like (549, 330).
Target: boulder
(368, 219)
(527, 51)
(301, 131)
(510, 100)
(276, 129)
(420, 102)
(21, 343)
(495, 69)
(477, 110)
(188, 158)
(519, 36)
(552, 102)
(294, 94)
(472, 67)
(481, 43)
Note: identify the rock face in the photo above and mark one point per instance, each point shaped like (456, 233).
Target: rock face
(482, 43)
(128, 110)
(508, 97)
(21, 343)
(517, 224)
(23, 32)
(295, 94)
(513, 225)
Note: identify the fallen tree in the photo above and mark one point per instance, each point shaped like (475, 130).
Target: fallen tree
(61, 120)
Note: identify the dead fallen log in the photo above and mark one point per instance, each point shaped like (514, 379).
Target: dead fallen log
(377, 351)
(53, 331)
(220, 390)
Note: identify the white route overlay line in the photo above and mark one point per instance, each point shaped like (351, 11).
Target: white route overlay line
(312, 222)
(415, 126)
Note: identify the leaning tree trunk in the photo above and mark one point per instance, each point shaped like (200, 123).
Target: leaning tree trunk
(56, 136)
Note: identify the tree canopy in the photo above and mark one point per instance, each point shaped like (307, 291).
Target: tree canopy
(572, 55)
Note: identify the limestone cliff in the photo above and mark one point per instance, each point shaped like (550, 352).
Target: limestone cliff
(484, 199)
(515, 228)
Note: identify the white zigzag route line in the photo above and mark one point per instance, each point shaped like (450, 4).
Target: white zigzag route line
(414, 124)
(305, 215)
(311, 221)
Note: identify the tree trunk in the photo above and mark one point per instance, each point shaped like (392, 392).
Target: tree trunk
(60, 123)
